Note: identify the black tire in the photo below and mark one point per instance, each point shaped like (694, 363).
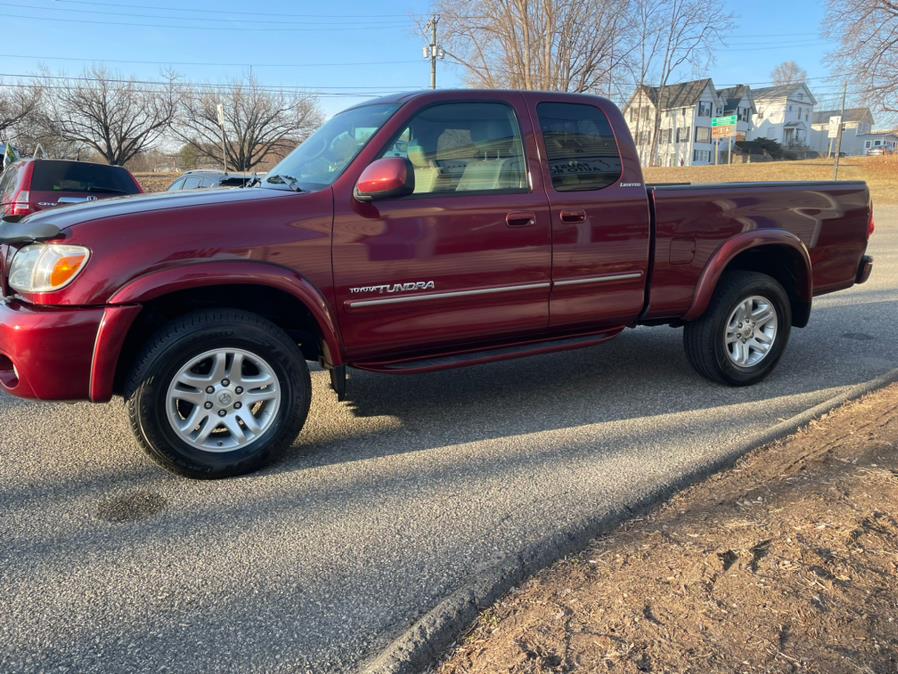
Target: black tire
(185, 338)
(705, 338)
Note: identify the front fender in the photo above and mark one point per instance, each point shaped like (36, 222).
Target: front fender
(124, 303)
(740, 243)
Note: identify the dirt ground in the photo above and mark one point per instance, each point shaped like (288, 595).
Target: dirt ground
(880, 173)
(786, 563)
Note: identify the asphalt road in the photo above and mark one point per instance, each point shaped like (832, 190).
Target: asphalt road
(385, 505)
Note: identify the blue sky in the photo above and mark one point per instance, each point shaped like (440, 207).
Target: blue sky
(368, 46)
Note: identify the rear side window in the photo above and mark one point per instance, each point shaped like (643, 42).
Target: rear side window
(62, 176)
(9, 181)
(580, 147)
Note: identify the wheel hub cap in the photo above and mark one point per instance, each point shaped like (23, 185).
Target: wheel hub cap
(751, 331)
(223, 400)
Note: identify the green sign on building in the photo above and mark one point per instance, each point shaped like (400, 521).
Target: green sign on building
(730, 120)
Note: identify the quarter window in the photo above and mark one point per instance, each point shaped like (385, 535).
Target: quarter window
(463, 147)
(580, 147)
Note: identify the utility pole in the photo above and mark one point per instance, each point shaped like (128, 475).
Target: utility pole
(839, 136)
(221, 124)
(433, 51)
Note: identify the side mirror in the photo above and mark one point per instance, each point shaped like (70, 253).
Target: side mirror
(384, 178)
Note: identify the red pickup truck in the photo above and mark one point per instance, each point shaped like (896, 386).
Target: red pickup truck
(409, 234)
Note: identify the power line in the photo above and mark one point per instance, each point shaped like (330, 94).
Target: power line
(242, 29)
(310, 92)
(215, 85)
(231, 11)
(377, 23)
(203, 63)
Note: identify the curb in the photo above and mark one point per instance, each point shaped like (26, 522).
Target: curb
(417, 648)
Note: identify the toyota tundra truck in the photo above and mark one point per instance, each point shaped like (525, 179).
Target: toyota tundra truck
(409, 234)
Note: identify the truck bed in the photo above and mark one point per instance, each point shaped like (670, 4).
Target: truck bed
(692, 222)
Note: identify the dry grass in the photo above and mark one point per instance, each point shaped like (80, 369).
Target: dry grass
(156, 182)
(880, 173)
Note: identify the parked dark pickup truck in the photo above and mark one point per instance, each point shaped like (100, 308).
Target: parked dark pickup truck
(410, 234)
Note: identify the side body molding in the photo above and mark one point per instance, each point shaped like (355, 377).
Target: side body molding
(740, 243)
(123, 307)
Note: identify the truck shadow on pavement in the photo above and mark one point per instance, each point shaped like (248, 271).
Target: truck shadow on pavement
(642, 373)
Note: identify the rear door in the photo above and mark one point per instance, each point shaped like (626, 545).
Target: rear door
(464, 259)
(601, 223)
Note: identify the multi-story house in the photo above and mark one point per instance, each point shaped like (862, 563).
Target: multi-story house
(684, 136)
(856, 123)
(783, 113)
(739, 101)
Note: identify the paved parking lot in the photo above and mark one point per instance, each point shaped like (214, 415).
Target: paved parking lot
(387, 502)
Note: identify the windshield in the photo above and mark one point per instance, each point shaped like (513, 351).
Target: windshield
(320, 160)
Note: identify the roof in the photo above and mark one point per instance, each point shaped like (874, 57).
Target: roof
(782, 91)
(735, 95)
(850, 115)
(681, 95)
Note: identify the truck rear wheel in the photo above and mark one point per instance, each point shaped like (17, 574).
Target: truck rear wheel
(742, 335)
(218, 393)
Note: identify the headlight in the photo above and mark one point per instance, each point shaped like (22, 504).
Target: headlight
(45, 267)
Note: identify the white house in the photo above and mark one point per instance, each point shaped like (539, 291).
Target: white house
(880, 142)
(856, 123)
(685, 132)
(783, 113)
(739, 101)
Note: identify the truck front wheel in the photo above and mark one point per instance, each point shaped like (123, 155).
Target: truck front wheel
(739, 340)
(218, 393)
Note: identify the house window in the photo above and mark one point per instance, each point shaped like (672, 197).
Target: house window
(701, 155)
(867, 143)
(702, 134)
(683, 134)
(704, 109)
(665, 136)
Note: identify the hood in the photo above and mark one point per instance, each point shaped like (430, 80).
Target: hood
(69, 216)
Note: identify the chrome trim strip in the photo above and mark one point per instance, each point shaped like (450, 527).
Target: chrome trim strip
(598, 279)
(440, 296)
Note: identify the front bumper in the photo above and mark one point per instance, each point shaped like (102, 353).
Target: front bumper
(46, 353)
(864, 269)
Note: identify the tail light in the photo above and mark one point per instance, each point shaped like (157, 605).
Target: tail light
(21, 205)
(871, 226)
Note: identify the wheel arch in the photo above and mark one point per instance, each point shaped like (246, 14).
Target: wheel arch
(287, 299)
(777, 253)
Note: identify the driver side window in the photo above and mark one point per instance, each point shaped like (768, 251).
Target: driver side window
(463, 148)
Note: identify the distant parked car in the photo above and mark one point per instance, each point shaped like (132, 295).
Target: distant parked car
(31, 185)
(202, 179)
(879, 151)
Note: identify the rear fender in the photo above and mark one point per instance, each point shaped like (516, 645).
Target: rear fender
(740, 243)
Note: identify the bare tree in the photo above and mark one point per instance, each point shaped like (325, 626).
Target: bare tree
(18, 103)
(788, 72)
(115, 116)
(553, 45)
(689, 30)
(258, 122)
(868, 31)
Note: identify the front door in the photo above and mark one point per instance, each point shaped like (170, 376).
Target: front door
(463, 260)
